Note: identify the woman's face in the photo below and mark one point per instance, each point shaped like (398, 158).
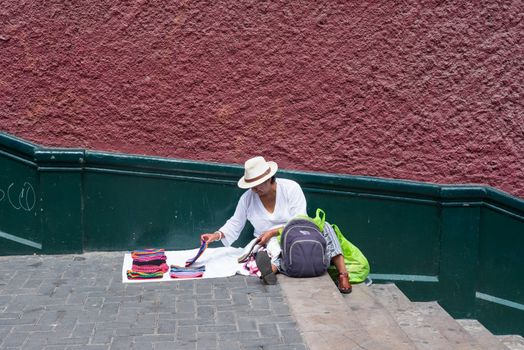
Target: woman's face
(263, 188)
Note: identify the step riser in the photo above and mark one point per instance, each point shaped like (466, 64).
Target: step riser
(481, 334)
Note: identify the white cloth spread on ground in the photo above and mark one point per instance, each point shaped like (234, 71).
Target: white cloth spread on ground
(219, 262)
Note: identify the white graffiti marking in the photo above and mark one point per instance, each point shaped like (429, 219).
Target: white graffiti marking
(20, 198)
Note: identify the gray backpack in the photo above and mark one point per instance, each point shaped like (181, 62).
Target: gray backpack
(303, 249)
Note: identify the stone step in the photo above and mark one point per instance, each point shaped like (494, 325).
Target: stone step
(512, 342)
(325, 320)
(482, 335)
(409, 318)
(446, 325)
(424, 323)
(376, 319)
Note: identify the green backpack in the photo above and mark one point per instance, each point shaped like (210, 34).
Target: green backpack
(356, 263)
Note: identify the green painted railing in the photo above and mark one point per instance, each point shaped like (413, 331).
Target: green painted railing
(460, 245)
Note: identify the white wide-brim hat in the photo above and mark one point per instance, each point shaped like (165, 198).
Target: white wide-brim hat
(256, 171)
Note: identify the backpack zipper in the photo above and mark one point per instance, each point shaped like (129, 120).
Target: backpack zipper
(301, 226)
(306, 240)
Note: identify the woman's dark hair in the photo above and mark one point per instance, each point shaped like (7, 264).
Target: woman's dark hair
(273, 179)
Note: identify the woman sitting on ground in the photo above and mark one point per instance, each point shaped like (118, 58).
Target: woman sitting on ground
(268, 205)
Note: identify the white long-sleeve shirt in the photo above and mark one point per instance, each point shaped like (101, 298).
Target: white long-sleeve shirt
(290, 202)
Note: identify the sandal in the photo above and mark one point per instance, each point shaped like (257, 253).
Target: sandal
(343, 283)
(264, 265)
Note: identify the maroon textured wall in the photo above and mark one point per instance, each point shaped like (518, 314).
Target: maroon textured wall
(429, 91)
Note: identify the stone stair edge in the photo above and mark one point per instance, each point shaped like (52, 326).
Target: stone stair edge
(477, 329)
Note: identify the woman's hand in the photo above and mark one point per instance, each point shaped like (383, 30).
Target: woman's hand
(266, 236)
(211, 237)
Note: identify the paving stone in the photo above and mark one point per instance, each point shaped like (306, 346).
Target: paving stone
(171, 316)
(291, 336)
(225, 318)
(221, 294)
(17, 321)
(179, 345)
(240, 335)
(214, 328)
(166, 328)
(259, 343)
(228, 345)
(102, 336)
(188, 306)
(68, 341)
(121, 343)
(247, 324)
(205, 312)
(240, 299)
(10, 315)
(128, 332)
(198, 322)
(14, 339)
(186, 333)
(269, 330)
(154, 338)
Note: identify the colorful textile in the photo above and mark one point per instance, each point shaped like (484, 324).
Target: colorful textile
(148, 252)
(156, 256)
(251, 266)
(148, 264)
(143, 275)
(191, 261)
(186, 272)
(150, 268)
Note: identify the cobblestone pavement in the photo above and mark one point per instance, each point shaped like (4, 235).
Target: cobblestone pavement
(80, 302)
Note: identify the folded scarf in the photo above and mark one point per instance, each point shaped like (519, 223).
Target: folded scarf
(150, 268)
(191, 261)
(133, 275)
(186, 272)
(143, 257)
(148, 251)
(150, 262)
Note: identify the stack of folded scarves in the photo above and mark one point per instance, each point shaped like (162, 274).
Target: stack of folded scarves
(187, 271)
(148, 264)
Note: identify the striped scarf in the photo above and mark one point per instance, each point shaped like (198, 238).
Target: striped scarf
(186, 272)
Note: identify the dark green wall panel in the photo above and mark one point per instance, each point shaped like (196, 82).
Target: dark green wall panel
(61, 195)
(459, 259)
(125, 211)
(498, 318)
(19, 206)
(501, 254)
